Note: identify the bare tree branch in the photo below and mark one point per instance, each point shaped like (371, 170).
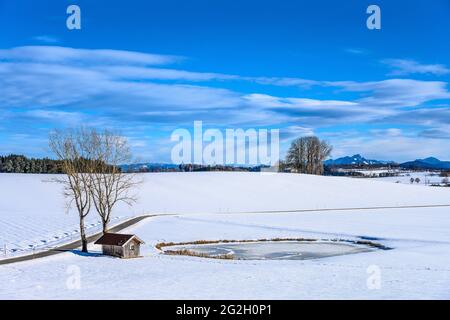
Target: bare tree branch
(109, 185)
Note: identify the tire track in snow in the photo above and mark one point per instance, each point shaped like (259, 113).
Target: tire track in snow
(344, 209)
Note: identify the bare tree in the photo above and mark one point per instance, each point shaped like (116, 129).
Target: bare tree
(69, 146)
(306, 155)
(109, 185)
(296, 157)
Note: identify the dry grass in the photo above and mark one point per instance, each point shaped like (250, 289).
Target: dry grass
(185, 252)
(372, 244)
(160, 245)
(363, 242)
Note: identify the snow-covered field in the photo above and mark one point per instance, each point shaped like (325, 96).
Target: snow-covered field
(401, 176)
(216, 206)
(33, 215)
(426, 178)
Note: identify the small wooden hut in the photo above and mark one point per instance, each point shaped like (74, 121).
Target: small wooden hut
(120, 245)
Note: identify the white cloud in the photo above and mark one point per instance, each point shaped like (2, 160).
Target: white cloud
(396, 92)
(432, 117)
(46, 39)
(295, 131)
(318, 112)
(55, 54)
(114, 92)
(390, 132)
(284, 82)
(145, 73)
(402, 67)
(51, 86)
(436, 133)
(401, 148)
(357, 51)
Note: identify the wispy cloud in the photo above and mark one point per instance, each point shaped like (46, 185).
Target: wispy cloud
(436, 133)
(431, 117)
(146, 73)
(403, 67)
(291, 132)
(398, 148)
(51, 86)
(390, 132)
(55, 54)
(397, 92)
(356, 51)
(44, 75)
(46, 39)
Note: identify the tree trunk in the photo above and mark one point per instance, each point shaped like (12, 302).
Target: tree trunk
(105, 227)
(83, 236)
(105, 221)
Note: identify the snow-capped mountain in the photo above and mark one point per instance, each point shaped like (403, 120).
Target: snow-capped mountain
(356, 159)
(427, 163)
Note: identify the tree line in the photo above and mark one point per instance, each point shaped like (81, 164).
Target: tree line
(14, 163)
(192, 167)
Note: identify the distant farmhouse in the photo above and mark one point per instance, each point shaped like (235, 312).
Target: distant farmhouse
(120, 245)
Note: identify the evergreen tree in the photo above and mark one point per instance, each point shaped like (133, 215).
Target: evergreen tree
(20, 164)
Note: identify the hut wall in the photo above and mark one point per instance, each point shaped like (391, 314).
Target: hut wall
(112, 250)
(132, 249)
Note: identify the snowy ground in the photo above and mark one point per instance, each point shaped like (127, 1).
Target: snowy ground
(418, 267)
(426, 178)
(33, 215)
(402, 176)
(32, 209)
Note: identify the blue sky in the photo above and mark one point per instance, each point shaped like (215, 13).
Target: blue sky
(306, 67)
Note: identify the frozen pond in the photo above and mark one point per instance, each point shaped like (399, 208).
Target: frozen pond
(274, 250)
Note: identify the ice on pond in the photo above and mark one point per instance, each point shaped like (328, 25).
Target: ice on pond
(275, 250)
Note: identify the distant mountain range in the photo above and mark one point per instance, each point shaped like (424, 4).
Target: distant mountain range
(357, 159)
(428, 163)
